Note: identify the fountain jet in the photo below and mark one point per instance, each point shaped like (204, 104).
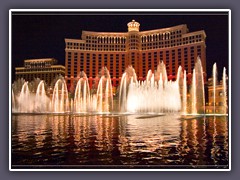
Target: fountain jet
(224, 79)
(60, 102)
(154, 95)
(82, 95)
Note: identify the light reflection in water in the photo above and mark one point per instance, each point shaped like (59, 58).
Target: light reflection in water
(119, 140)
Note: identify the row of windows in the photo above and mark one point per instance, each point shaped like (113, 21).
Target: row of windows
(220, 93)
(216, 104)
(119, 70)
(166, 44)
(47, 77)
(37, 75)
(40, 70)
(96, 63)
(89, 57)
(147, 42)
(192, 39)
(185, 53)
(135, 45)
(105, 39)
(100, 47)
(161, 36)
(37, 65)
(185, 57)
(71, 45)
(116, 73)
(114, 39)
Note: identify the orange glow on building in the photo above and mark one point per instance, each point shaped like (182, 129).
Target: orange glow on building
(175, 46)
(46, 69)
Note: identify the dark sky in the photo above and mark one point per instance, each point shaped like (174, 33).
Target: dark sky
(41, 35)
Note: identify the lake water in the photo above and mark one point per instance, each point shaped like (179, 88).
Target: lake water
(119, 141)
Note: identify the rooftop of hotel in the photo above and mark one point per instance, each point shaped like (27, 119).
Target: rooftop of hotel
(41, 60)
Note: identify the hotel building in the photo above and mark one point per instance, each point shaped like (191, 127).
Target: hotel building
(44, 69)
(175, 46)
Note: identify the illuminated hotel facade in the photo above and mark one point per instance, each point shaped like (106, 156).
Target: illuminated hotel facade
(175, 46)
(45, 69)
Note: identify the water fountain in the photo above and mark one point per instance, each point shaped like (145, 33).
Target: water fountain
(104, 96)
(225, 91)
(13, 102)
(82, 95)
(199, 82)
(184, 94)
(28, 102)
(214, 86)
(197, 93)
(128, 76)
(60, 101)
(25, 100)
(100, 100)
(156, 94)
(194, 94)
(41, 99)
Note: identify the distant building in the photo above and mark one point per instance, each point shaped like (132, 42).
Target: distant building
(220, 98)
(45, 69)
(143, 50)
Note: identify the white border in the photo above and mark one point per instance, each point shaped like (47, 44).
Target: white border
(230, 88)
(117, 10)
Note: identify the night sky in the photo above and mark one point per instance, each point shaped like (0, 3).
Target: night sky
(41, 35)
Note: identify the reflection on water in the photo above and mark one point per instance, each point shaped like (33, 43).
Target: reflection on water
(119, 141)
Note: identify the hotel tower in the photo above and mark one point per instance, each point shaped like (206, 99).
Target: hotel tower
(175, 46)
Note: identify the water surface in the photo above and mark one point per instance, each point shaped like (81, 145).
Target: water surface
(119, 141)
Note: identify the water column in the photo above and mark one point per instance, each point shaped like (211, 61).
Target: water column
(109, 95)
(55, 98)
(77, 96)
(25, 103)
(214, 86)
(182, 82)
(82, 96)
(127, 87)
(104, 92)
(155, 95)
(13, 102)
(193, 93)
(123, 93)
(149, 75)
(100, 96)
(203, 91)
(184, 94)
(224, 90)
(41, 101)
(60, 102)
(200, 94)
